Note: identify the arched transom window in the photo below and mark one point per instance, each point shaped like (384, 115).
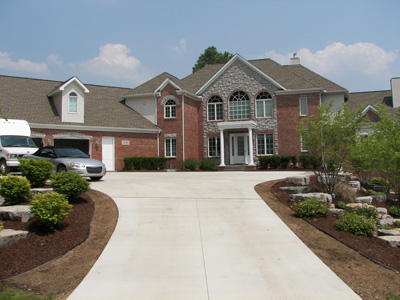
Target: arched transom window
(239, 106)
(215, 109)
(170, 109)
(264, 105)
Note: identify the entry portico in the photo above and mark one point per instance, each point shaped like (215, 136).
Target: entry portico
(240, 144)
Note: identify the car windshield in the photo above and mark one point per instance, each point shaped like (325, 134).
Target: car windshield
(17, 141)
(70, 152)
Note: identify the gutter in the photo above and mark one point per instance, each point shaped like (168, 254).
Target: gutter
(189, 94)
(94, 128)
(300, 91)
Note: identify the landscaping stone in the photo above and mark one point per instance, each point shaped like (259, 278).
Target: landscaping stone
(382, 210)
(355, 184)
(379, 198)
(41, 191)
(326, 198)
(365, 199)
(393, 232)
(336, 211)
(385, 220)
(16, 213)
(354, 206)
(394, 241)
(298, 180)
(296, 189)
(9, 236)
(2, 200)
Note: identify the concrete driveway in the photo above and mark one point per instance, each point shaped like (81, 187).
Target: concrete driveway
(203, 235)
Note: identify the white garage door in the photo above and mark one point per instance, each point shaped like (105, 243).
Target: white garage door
(108, 149)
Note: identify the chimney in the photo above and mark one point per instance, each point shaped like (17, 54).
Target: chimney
(294, 60)
(395, 86)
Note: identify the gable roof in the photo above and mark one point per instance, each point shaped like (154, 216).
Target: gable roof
(62, 86)
(103, 108)
(374, 98)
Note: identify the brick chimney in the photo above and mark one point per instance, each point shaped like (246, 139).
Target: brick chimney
(395, 86)
(294, 60)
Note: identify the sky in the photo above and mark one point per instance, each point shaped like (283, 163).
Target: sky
(354, 43)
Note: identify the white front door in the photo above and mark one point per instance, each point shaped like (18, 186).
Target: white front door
(239, 148)
(108, 150)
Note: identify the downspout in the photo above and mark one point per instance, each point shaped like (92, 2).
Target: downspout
(156, 123)
(183, 129)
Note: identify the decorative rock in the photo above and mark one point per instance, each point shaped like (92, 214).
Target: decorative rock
(394, 241)
(379, 198)
(1, 200)
(41, 191)
(9, 236)
(326, 198)
(386, 220)
(355, 184)
(365, 199)
(382, 210)
(299, 180)
(393, 232)
(354, 206)
(16, 213)
(296, 189)
(336, 211)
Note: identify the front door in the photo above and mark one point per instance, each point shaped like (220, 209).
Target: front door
(108, 150)
(239, 148)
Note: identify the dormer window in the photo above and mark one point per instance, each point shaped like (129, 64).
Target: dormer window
(73, 103)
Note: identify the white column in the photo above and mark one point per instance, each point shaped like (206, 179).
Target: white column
(251, 162)
(222, 150)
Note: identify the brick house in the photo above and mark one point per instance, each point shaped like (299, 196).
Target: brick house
(233, 112)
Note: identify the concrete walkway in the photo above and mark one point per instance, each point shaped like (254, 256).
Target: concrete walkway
(206, 236)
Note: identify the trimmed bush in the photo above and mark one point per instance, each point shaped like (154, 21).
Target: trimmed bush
(394, 211)
(369, 213)
(272, 162)
(70, 184)
(190, 163)
(15, 189)
(293, 159)
(341, 205)
(147, 163)
(284, 161)
(356, 224)
(310, 161)
(50, 209)
(310, 208)
(208, 164)
(37, 171)
(345, 192)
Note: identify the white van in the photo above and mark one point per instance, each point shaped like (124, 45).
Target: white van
(15, 142)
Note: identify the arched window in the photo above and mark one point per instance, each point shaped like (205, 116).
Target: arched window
(264, 105)
(215, 109)
(239, 106)
(73, 102)
(170, 109)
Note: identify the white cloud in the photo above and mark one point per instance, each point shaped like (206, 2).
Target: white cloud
(114, 62)
(53, 59)
(180, 48)
(21, 65)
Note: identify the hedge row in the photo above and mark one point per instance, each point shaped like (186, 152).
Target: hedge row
(275, 161)
(147, 163)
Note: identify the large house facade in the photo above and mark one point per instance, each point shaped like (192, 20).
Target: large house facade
(233, 113)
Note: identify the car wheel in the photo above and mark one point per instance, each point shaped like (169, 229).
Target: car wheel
(4, 169)
(61, 168)
(96, 178)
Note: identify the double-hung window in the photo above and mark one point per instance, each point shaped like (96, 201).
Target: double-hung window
(73, 103)
(265, 144)
(214, 146)
(215, 108)
(303, 142)
(170, 147)
(303, 106)
(170, 109)
(239, 106)
(264, 105)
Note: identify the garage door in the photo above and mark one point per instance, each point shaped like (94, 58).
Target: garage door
(80, 144)
(108, 150)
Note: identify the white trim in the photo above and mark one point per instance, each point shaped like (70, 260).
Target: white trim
(93, 128)
(165, 83)
(62, 87)
(228, 64)
(301, 91)
(189, 94)
(371, 108)
(236, 125)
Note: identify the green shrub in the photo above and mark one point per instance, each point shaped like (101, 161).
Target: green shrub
(378, 181)
(369, 213)
(70, 184)
(293, 159)
(284, 161)
(1, 226)
(372, 192)
(356, 224)
(50, 209)
(310, 208)
(208, 164)
(147, 163)
(341, 205)
(272, 161)
(15, 189)
(394, 211)
(190, 163)
(37, 171)
(310, 161)
(13, 294)
(345, 192)
(386, 227)
(392, 297)
(397, 223)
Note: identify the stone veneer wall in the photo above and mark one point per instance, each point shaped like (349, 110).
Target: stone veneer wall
(239, 77)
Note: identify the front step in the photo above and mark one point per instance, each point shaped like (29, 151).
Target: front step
(234, 168)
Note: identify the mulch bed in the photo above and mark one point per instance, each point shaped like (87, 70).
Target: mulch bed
(43, 245)
(376, 249)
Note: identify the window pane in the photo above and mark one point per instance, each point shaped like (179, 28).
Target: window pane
(260, 144)
(303, 106)
(260, 108)
(268, 108)
(173, 150)
(173, 111)
(72, 104)
(220, 112)
(270, 143)
(167, 147)
(211, 111)
(239, 106)
(213, 146)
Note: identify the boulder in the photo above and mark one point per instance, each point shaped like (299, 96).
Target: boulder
(385, 220)
(355, 185)
(16, 213)
(354, 206)
(336, 211)
(9, 236)
(379, 198)
(365, 199)
(41, 191)
(326, 198)
(394, 241)
(299, 180)
(393, 232)
(382, 210)
(296, 189)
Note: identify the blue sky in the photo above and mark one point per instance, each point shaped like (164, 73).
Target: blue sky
(124, 43)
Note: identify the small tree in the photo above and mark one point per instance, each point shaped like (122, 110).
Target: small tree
(211, 56)
(330, 136)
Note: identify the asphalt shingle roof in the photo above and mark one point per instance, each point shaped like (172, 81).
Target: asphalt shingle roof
(364, 99)
(26, 98)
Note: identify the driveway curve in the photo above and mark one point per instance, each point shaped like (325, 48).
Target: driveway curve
(206, 236)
